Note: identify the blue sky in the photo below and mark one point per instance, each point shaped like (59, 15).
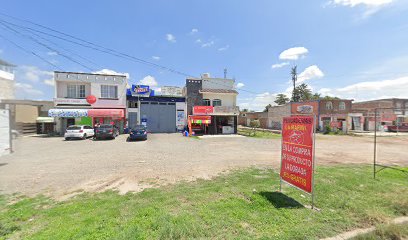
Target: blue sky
(349, 48)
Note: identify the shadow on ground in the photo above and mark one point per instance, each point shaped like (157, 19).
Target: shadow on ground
(280, 200)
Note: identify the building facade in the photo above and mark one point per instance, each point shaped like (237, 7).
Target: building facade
(6, 80)
(211, 105)
(163, 113)
(88, 98)
(390, 111)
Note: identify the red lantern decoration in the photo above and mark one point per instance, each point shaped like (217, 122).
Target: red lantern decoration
(91, 99)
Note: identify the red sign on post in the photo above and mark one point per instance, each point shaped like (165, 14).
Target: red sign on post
(297, 152)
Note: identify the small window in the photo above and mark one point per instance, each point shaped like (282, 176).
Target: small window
(162, 103)
(342, 106)
(206, 102)
(216, 102)
(154, 103)
(171, 103)
(329, 105)
(109, 91)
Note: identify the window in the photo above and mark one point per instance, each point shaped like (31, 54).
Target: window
(108, 91)
(216, 102)
(206, 102)
(342, 106)
(132, 104)
(329, 105)
(75, 91)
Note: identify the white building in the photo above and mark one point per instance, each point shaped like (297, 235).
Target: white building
(212, 104)
(6, 80)
(88, 98)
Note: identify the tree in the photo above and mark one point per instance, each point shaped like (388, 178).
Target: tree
(316, 96)
(330, 98)
(281, 99)
(266, 107)
(295, 94)
(245, 110)
(304, 93)
(254, 124)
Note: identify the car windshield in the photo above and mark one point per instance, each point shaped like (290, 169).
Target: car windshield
(105, 126)
(74, 128)
(138, 128)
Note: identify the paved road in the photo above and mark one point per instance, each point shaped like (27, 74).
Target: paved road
(61, 168)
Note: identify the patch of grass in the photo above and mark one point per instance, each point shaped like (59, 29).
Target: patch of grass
(259, 134)
(244, 204)
(392, 231)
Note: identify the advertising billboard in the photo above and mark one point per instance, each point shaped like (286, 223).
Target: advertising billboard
(297, 160)
(203, 110)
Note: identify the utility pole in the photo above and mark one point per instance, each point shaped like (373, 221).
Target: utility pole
(225, 73)
(293, 72)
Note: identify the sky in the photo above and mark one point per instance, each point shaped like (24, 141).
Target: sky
(354, 49)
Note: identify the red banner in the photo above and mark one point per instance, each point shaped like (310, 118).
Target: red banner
(202, 110)
(297, 152)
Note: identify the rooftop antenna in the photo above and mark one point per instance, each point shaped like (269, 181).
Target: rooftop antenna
(225, 73)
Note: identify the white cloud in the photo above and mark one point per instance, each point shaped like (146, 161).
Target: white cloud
(52, 53)
(28, 90)
(240, 85)
(370, 90)
(157, 58)
(49, 82)
(259, 102)
(32, 73)
(148, 80)
(293, 53)
(110, 72)
(207, 44)
(223, 48)
(279, 65)
(367, 3)
(198, 41)
(170, 37)
(194, 30)
(310, 72)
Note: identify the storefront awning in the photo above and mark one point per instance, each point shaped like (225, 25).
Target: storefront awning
(68, 112)
(45, 120)
(200, 119)
(117, 113)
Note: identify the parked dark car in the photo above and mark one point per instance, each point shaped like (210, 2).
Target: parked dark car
(105, 131)
(138, 132)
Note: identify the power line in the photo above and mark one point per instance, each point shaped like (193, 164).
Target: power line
(46, 46)
(30, 52)
(100, 48)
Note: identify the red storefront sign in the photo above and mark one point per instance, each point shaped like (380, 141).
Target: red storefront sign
(202, 110)
(114, 113)
(297, 152)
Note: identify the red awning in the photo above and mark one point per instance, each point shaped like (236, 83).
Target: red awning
(117, 113)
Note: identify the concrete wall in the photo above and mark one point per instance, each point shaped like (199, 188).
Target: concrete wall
(276, 114)
(26, 113)
(228, 100)
(193, 95)
(6, 89)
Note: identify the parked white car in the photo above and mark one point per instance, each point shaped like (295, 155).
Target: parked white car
(78, 131)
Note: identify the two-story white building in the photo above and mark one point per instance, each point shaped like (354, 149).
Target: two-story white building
(212, 105)
(6, 80)
(88, 98)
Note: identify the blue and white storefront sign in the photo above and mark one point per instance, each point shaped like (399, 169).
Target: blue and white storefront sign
(140, 89)
(68, 113)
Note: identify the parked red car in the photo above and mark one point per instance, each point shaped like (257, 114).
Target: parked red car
(403, 127)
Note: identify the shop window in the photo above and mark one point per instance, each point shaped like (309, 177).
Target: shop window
(75, 91)
(206, 102)
(216, 102)
(171, 103)
(109, 91)
(342, 106)
(329, 105)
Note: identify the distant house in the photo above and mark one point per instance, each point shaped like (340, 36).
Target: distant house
(389, 112)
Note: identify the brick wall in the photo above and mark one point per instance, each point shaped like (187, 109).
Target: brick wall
(335, 109)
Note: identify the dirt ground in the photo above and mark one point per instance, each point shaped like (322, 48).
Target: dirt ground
(58, 168)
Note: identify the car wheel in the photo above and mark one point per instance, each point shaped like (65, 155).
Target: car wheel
(66, 139)
(84, 137)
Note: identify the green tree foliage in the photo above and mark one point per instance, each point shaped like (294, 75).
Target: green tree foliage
(281, 99)
(266, 107)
